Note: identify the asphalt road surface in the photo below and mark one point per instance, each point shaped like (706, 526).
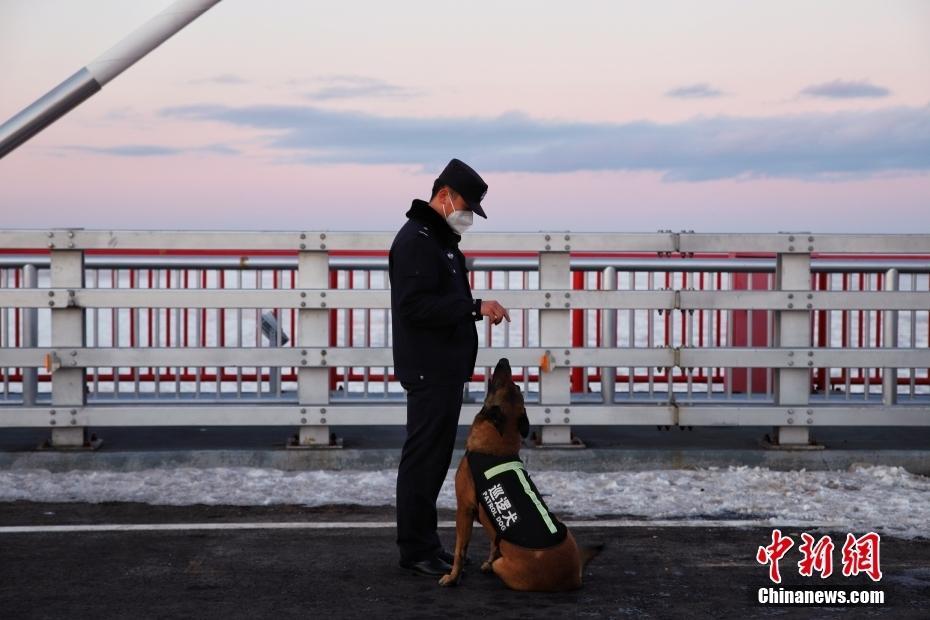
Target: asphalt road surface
(340, 561)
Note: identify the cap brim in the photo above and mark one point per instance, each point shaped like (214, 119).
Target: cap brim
(476, 207)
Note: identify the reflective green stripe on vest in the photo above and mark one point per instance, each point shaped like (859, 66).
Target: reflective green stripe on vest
(517, 468)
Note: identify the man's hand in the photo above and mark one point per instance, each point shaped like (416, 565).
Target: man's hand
(494, 311)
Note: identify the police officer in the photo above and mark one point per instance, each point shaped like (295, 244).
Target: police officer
(435, 346)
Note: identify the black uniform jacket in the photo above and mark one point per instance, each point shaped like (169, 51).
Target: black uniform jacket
(433, 312)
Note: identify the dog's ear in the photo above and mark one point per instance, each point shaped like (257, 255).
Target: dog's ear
(523, 424)
(495, 415)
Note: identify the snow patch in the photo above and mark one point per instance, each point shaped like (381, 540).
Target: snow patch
(886, 499)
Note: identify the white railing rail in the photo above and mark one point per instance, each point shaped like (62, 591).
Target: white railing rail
(792, 303)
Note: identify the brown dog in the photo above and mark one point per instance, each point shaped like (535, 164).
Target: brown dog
(530, 548)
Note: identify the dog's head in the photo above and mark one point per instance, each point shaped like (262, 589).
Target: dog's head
(503, 406)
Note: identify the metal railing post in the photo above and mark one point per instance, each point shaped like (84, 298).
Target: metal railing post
(555, 336)
(30, 337)
(609, 338)
(313, 331)
(890, 340)
(792, 329)
(68, 389)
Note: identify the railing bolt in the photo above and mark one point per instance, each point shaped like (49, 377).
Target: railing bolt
(303, 362)
(547, 304)
(810, 363)
(322, 410)
(790, 353)
(790, 295)
(303, 410)
(568, 352)
(566, 420)
(810, 421)
(303, 246)
(73, 363)
(791, 238)
(790, 420)
(322, 246)
(322, 420)
(547, 410)
(548, 237)
(810, 354)
(323, 294)
(567, 295)
(548, 295)
(303, 294)
(790, 306)
(51, 234)
(566, 410)
(303, 235)
(809, 306)
(303, 304)
(73, 422)
(810, 412)
(568, 305)
(810, 248)
(52, 422)
(71, 244)
(52, 412)
(51, 293)
(548, 247)
(303, 352)
(322, 304)
(567, 237)
(51, 303)
(547, 420)
(791, 248)
(303, 420)
(323, 352)
(322, 235)
(74, 412)
(567, 247)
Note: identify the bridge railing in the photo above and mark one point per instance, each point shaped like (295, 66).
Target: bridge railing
(791, 330)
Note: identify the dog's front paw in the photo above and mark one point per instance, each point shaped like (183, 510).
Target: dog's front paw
(449, 580)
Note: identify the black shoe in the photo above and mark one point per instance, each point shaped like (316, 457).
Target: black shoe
(447, 557)
(432, 567)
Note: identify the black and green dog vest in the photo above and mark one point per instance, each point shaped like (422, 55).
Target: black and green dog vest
(513, 502)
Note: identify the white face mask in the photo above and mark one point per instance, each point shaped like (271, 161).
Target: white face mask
(459, 221)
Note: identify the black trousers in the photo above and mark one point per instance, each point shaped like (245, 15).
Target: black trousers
(432, 420)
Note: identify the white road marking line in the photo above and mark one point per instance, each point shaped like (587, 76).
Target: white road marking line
(337, 525)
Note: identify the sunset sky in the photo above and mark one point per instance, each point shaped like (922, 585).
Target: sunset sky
(592, 115)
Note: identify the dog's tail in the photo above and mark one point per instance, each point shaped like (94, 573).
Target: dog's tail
(588, 553)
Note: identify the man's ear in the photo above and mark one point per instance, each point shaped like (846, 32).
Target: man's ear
(523, 424)
(495, 415)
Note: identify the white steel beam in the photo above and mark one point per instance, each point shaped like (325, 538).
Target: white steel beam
(313, 331)
(154, 415)
(804, 416)
(67, 269)
(569, 357)
(792, 329)
(533, 299)
(324, 240)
